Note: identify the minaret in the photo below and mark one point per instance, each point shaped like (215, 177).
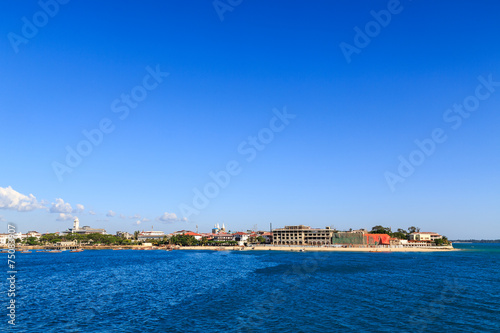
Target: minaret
(76, 224)
(223, 227)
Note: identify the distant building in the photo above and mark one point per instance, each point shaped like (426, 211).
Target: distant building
(240, 237)
(85, 230)
(360, 239)
(124, 234)
(216, 229)
(194, 234)
(4, 239)
(35, 234)
(223, 237)
(149, 235)
(302, 235)
(424, 236)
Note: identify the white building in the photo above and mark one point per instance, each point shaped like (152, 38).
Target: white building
(4, 238)
(85, 230)
(424, 236)
(148, 235)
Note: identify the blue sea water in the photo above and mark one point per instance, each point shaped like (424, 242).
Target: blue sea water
(257, 291)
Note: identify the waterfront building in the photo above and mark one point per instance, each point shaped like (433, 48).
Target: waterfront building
(268, 236)
(424, 236)
(223, 237)
(4, 239)
(360, 239)
(148, 235)
(240, 237)
(194, 234)
(85, 230)
(302, 235)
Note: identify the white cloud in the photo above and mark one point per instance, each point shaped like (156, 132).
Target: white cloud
(91, 212)
(122, 216)
(61, 207)
(136, 217)
(64, 217)
(11, 199)
(110, 214)
(170, 218)
(79, 208)
(138, 222)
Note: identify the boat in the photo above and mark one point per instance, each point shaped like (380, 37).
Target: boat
(118, 249)
(77, 250)
(54, 251)
(25, 251)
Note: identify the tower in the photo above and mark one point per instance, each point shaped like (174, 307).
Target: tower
(76, 224)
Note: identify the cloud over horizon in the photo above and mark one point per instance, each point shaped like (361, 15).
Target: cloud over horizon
(61, 207)
(13, 200)
(170, 218)
(64, 217)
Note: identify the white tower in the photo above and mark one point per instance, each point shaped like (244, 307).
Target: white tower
(76, 224)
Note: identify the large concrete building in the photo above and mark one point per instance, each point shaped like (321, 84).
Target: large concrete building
(302, 235)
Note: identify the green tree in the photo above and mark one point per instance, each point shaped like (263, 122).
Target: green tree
(413, 229)
(378, 229)
(32, 241)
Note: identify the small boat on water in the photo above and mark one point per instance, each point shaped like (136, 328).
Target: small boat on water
(77, 250)
(54, 251)
(25, 251)
(118, 249)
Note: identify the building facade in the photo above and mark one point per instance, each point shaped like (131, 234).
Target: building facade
(302, 235)
(424, 236)
(148, 235)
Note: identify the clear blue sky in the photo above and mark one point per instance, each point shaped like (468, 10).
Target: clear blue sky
(327, 166)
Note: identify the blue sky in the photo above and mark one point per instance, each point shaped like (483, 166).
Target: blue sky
(334, 161)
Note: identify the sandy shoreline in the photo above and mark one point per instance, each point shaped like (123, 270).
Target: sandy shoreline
(322, 249)
(268, 248)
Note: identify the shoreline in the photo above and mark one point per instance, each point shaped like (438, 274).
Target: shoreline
(259, 248)
(322, 249)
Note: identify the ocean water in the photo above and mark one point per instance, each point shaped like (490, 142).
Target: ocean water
(257, 291)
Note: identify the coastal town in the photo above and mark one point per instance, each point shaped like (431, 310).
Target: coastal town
(298, 237)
